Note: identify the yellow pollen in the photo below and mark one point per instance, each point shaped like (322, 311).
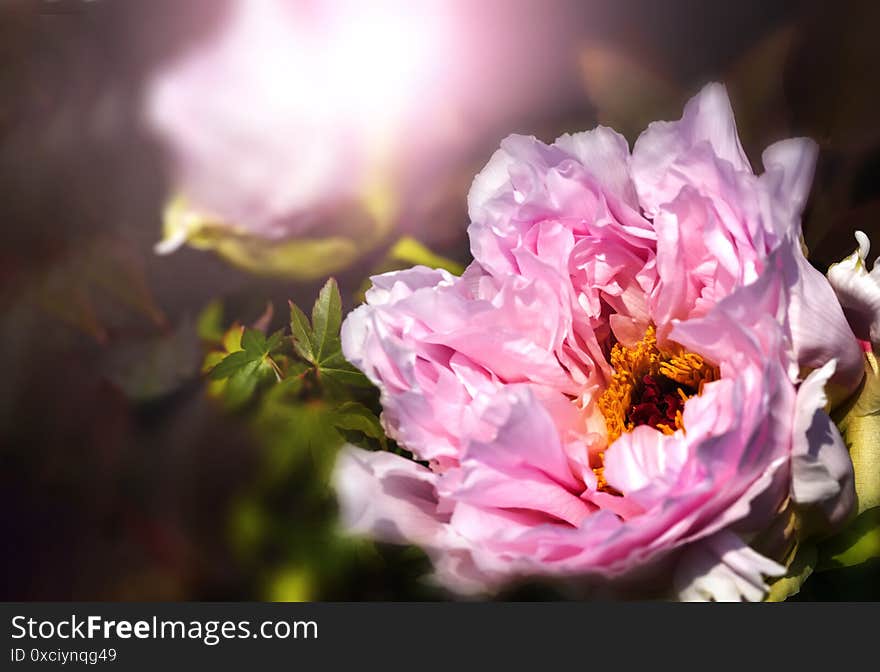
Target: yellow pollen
(684, 371)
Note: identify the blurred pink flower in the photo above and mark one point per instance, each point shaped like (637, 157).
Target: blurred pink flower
(248, 144)
(614, 384)
(286, 110)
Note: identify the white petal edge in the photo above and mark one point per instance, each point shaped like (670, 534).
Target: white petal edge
(821, 470)
(723, 568)
(859, 291)
(387, 497)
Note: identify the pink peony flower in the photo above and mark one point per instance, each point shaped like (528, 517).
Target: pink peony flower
(629, 378)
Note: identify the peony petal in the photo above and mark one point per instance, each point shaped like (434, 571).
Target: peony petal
(643, 457)
(744, 327)
(489, 182)
(605, 153)
(822, 472)
(819, 329)
(723, 569)
(789, 166)
(394, 286)
(707, 119)
(859, 291)
(387, 497)
(526, 444)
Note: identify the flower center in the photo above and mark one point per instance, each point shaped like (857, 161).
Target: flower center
(650, 387)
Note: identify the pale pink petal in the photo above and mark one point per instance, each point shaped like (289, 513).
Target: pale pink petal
(527, 442)
(723, 569)
(789, 166)
(489, 182)
(745, 327)
(821, 470)
(642, 458)
(387, 497)
(859, 291)
(819, 329)
(707, 120)
(397, 285)
(605, 153)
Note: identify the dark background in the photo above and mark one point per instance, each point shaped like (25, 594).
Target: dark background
(118, 478)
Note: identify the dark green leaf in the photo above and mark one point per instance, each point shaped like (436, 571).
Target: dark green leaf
(231, 364)
(347, 376)
(342, 371)
(352, 417)
(326, 321)
(242, 383)
(332, 353)
(336, 361)
(275, 341)
(254, 341)
(303, 338)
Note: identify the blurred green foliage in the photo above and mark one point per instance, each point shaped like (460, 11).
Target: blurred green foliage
(303, 401)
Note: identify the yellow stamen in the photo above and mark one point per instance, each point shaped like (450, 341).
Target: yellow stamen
(631, 365)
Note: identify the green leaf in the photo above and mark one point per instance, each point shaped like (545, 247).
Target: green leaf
(799, 570)
(275, 341)
(348, 377)
(301, 329)
(242, 384)
(231, 364)
(859, 542)
(326, 321)
(342, 371)
(245, 369)
(352, 417)
(254, 341)
(212, 359)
